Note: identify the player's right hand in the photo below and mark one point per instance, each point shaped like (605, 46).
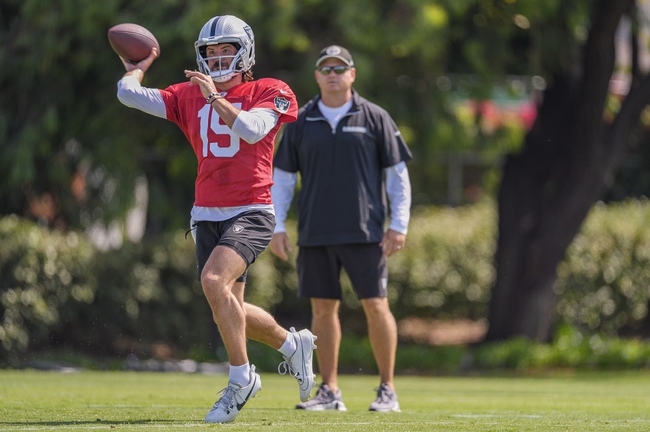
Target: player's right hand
(280, 245)
(143, 65)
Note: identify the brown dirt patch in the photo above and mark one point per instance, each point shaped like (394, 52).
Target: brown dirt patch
(441, 332)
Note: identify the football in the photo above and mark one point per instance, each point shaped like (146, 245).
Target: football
(132, 42)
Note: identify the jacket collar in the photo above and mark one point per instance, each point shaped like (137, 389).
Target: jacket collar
(313, 110)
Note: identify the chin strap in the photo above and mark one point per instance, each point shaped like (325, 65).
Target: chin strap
(223, 78)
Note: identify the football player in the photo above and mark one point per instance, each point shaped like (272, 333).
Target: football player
(230, 120)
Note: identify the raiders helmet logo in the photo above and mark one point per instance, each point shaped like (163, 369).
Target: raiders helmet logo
(281, 104)
(237, 228)
(249, 32)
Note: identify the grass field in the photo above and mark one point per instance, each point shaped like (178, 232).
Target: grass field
(141, 401)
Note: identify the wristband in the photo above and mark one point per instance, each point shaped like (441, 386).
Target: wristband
(212, 97)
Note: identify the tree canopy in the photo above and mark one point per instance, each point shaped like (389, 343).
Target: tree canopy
(72, 152)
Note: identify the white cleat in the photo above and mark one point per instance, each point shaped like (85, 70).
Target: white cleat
(232, 400)
(300, 363)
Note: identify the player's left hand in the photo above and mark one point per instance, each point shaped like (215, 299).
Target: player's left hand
(204, 81)
(392, 242)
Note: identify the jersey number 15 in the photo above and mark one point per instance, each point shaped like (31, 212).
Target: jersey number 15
(227, 144)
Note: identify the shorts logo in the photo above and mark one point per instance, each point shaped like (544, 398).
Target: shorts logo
(383, 287)
(281, 104)
(237, 228)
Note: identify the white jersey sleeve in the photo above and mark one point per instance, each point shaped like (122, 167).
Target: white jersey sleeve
(131, 93)
(253, 125)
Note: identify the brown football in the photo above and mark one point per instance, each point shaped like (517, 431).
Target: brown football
(132, 41)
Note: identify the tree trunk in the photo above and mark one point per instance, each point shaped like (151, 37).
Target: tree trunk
(548, 189)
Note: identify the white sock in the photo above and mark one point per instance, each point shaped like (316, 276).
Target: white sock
(240, 374)
(289, 346)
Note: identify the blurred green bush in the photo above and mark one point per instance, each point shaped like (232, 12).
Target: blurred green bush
(58, 291)
(604, 282)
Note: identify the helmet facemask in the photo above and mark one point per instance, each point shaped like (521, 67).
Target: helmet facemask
(220, 72)
(221, 30)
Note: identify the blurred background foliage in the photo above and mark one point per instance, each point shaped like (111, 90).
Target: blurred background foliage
(461, 78)
(71, 153)
(59, 292)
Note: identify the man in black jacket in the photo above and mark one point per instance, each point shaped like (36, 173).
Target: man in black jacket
(350, 155)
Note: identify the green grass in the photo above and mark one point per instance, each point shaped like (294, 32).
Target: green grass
(139, 401)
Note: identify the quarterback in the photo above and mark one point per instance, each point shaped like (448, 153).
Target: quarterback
(230, 120)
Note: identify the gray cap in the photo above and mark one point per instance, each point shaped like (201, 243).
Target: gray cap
(335, 51)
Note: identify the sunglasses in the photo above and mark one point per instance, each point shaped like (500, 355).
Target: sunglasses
(340, 69)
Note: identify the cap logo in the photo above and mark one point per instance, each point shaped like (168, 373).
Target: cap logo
(333, 50)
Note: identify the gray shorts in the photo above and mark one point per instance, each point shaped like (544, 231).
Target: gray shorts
(319, 270)
(248, 233)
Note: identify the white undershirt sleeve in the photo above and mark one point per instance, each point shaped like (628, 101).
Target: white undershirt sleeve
(253, 125)
(131, 93)
(284, 185)
(398, 189)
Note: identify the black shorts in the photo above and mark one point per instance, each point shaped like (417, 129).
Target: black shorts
(248, 233)
(319, 270)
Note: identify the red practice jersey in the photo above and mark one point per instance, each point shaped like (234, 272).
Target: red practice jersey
(231, 172)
